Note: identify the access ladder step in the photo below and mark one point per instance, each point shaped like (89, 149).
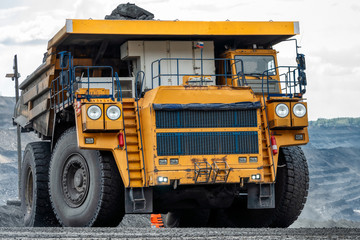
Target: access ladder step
(128, 107)
(131, 134)
(134, 160)
(135, 169)
(133, 151)
(137, 197)
(130, 116)
(130, 125)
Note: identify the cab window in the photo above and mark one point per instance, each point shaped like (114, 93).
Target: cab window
(255, 65)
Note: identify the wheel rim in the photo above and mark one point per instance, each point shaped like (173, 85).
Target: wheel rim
(29, 190)
(75, 180)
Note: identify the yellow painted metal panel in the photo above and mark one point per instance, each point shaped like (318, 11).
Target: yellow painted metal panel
(187, 177)
(286, 138)
(113, 124)
(299, 122)
(138, 27)
(89, 124)
(274, 120)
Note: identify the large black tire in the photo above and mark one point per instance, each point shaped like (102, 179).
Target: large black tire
(35, 201)
(85, 186)
(291, 191)
(186, 218)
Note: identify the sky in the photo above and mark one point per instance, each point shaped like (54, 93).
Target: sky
(329, 38)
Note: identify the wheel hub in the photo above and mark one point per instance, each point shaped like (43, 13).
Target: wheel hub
(29, 190)
(75, 180)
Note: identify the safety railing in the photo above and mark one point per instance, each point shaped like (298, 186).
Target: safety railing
(292, 82)
(63, 87)
(157, 73)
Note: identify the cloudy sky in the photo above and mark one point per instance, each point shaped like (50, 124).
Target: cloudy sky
(330, 38)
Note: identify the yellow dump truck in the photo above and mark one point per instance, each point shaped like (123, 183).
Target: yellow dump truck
(193, 120)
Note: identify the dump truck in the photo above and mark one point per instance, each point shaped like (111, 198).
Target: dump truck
(193, 120)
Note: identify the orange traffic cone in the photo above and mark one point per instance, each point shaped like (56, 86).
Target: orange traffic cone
(156, 221)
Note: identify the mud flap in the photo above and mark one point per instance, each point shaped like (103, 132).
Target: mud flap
(139, 200)
(261, 196)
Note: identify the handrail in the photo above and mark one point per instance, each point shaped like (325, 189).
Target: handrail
(139, 120)
(119, 96)
(290, 82)
(62, 93)
(178, 74)
(88, 96)
(141, 83)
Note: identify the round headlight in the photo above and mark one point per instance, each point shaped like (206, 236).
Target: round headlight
(94, 112)
(282, 110)
(113, 112)
(299, 110)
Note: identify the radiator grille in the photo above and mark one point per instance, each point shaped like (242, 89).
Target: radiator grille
(206, 119)
(207, 143)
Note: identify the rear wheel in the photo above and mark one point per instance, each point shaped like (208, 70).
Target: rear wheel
(291, 190)
(85, 185)
(35, 201)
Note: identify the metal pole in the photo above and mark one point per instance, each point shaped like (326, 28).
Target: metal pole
(16, 77)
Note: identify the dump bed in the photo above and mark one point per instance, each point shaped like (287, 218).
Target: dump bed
(97, 42)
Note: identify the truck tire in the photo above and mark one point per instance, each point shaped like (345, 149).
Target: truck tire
(291, 190)
(35, 200)
(186, 218)
(85, 186)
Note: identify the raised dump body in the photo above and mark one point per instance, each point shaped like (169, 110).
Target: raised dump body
(195, 120)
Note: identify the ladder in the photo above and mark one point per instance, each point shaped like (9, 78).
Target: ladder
(136, 169)
(269, 168)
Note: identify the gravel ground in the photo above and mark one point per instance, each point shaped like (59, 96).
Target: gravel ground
(190, 233)
(138, 227)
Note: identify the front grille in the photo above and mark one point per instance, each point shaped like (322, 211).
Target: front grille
(206, 119)
(207, 143)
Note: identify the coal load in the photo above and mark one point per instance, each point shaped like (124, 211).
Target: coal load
(129, 11)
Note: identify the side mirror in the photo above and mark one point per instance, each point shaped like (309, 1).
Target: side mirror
(64, 78)
(300, 59)
(302, 78)
(64, 60)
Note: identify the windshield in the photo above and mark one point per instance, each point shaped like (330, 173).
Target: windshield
(255, 65)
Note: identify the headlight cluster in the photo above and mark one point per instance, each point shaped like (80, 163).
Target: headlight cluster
(282, 110)
(94, 112)
(299, 110)
(113, 112)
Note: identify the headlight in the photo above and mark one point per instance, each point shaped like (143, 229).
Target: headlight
(299, 110)
(282, 110)
(113, 112)
(94, 112)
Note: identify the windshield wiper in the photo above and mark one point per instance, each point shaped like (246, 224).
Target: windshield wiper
(257, 75)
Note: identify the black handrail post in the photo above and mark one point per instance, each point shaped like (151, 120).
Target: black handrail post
(152, 75)
(225, 70)
(202, 65)
(159, 72)
(88, 77)
(177, 70)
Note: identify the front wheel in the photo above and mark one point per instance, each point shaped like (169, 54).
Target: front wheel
(85, 185)
(291, 188)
